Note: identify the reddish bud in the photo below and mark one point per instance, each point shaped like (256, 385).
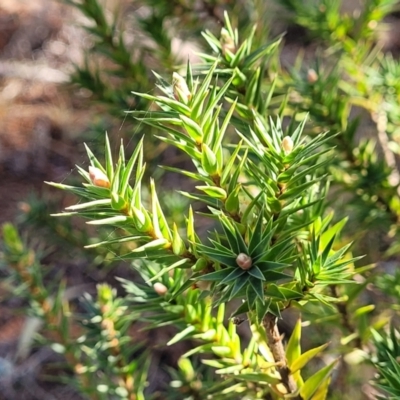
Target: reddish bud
(98, 177)
(244, 261)
(312, 76)
(160, 289)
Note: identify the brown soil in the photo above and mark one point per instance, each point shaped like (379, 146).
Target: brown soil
(40, 118)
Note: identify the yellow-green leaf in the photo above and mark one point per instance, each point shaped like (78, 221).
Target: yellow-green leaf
(259, 378)
(322, 391)
(213, 191)
(221, 351)
(178, 246)
(208, 160)
(117, 202)
(141, 219)
(364, 310)
(192, 129)
(293, 350)
(313, 383)
(160, 224)
(301, 361)
(327, 236)
(232, 202)
(153, 245)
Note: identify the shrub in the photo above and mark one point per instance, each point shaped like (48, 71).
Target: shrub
(265, 146)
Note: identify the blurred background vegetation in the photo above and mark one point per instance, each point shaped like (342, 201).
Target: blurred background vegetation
(67, 73)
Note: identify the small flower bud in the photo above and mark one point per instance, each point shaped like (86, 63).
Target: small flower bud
(105, 309)
(180, 88)
(107, 324)
(244, 261)
(227, 42)
(24, 207)
(201, 264)
(160, 288)
(80, 369)
(287, 144)
(113, 343)
(98, 177)
(108, 328)
(312, 76)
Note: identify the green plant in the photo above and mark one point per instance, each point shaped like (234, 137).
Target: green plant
(272, 248)
(387, 361)
(94, 341)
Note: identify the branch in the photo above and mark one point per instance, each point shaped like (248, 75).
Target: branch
(380, 118)
(276, 346)
(342, 309)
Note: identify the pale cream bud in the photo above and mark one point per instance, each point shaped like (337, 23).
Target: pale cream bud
(287, 144)
(160, 289)
(80, 369)
(227, 42)
(98, 177)
(180, 88)
(113, 343)
(108, 327)
(244, 261)
(312, 76)
(107, 324)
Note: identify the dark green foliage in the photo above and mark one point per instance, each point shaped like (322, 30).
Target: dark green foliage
(386, 361)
